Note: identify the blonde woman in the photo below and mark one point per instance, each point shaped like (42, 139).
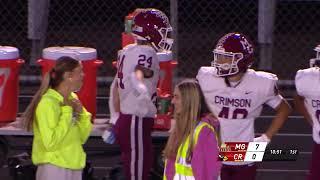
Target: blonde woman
(61, 125)
(192, 149)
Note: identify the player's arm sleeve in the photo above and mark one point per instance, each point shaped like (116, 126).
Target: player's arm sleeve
(300, 84)
(205, 164)
(299, 98)
(53, 127)
(114, 102)
(142, 94)
(273, 95)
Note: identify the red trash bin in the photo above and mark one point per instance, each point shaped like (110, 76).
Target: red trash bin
(9, 83)
(88, 57)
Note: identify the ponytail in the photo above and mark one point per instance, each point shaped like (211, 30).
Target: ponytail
(28, 114)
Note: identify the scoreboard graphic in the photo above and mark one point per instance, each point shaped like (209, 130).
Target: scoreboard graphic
(254, 152)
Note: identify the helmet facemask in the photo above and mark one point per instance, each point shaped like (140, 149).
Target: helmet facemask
(226, 63)
(165, 43)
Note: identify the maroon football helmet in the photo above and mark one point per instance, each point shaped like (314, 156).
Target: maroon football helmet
(233, 54)
(154, 26)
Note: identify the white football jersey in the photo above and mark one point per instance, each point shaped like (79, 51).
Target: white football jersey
(307, 83)
(236, 107)
(128, 58)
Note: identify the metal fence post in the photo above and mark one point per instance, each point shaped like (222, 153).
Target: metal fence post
(37, 26)
(266, 15)
(174, 24)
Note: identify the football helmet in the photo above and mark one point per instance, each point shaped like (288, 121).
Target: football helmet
(154, 26)
(315, 62)
(233, 54)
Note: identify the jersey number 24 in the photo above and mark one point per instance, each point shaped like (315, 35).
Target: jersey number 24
(142, 61)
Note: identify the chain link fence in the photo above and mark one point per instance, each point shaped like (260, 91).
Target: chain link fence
(99, 23)
(96, 24)
(296, 34)
(14, 25)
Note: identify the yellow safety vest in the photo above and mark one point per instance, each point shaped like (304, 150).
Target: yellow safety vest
(183, 170)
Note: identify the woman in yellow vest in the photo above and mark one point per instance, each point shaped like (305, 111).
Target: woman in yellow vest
(61, 125)
(192, 149)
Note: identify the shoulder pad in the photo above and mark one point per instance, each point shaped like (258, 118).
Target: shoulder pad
(264, 75)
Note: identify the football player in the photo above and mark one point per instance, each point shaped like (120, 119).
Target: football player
(307, 102)
(236, 94)
(132, 103)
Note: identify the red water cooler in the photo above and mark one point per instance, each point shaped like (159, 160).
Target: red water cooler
(10, 64)
(165, 111)
(88, 57)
